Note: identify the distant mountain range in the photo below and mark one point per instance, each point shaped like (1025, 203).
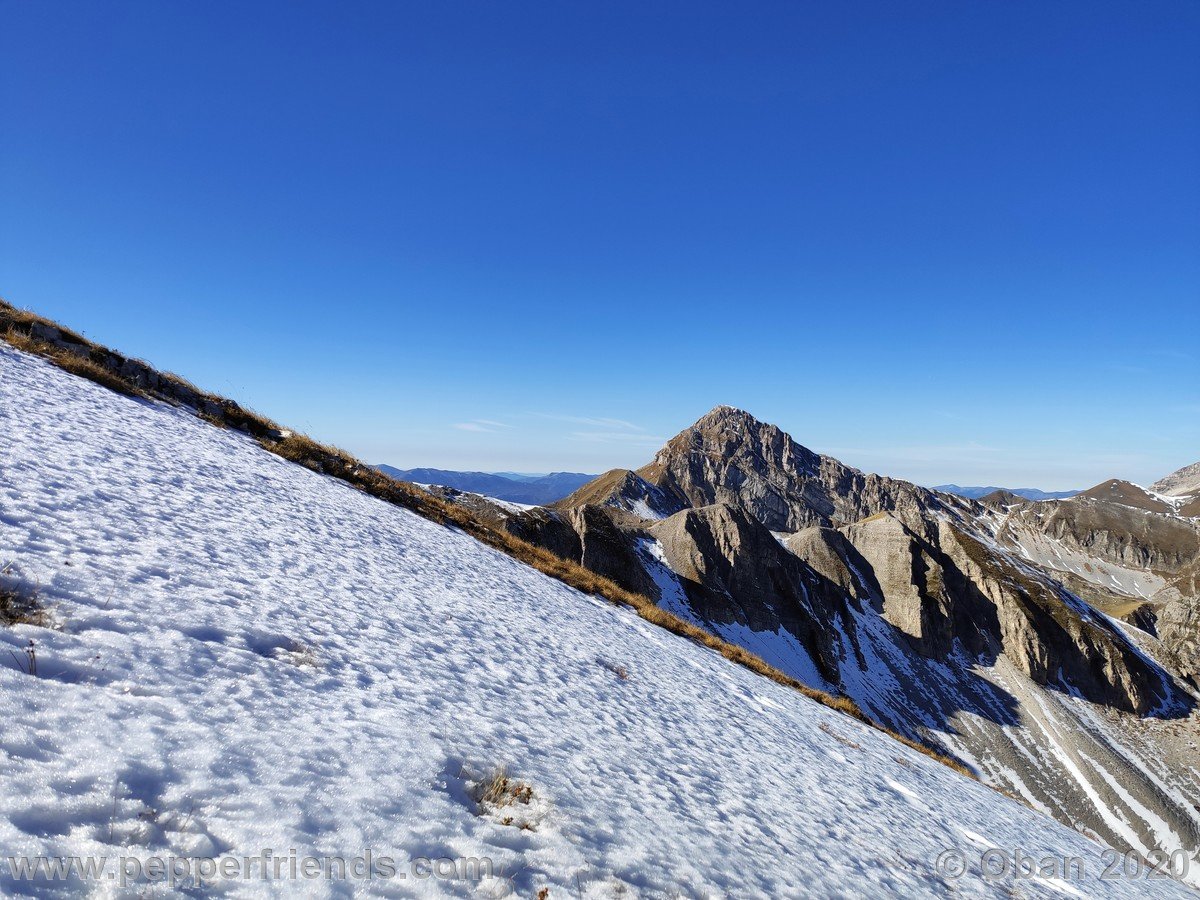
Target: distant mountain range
(514, 487)
(974, 493)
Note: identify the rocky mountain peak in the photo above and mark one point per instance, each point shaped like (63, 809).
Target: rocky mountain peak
(1184, 482)
(729, 456)
(734, 435)
(927, 609)
(726, 417)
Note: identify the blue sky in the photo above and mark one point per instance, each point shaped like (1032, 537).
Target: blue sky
(951, 241)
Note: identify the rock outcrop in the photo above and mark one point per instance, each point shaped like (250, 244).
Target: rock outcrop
(735, 571)
(730, 457)
(1184, 482)
(623, 489)
(1159, 542)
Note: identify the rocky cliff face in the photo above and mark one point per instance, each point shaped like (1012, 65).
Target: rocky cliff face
(734, 571)
(1177, 620)
(927, 609)
(1157, 541)
(1130, 554)
(1052, 636)
(956, 593)
(730, 457)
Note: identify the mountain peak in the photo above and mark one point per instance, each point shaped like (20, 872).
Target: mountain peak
(724, 416)
(1126, 493)
(726, 432)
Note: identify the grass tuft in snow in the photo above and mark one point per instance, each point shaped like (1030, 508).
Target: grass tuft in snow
(498, 790)
(507, 801)
(19, 601)
(27, 661)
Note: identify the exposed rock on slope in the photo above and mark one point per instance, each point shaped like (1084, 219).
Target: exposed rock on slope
(1185, 481)
(1126, 493)
(1133, 559)
(730, 457)
(733, 570)
(928, 610)
(956, 593)
(606, 550)
(623, 489)
(1131, 536)
(1177, 620)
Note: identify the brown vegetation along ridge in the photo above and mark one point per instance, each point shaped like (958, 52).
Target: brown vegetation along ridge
(1126, 494)
(72, 352)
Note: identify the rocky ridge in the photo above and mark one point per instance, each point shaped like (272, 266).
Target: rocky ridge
(935, 613)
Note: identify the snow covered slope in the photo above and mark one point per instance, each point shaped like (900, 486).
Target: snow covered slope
(254, 656)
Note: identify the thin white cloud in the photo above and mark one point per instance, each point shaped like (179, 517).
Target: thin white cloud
(478, 425)
(970, 450)
(592, 421)
(616, 437)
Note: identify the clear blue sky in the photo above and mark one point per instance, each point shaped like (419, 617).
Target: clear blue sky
(951, 241)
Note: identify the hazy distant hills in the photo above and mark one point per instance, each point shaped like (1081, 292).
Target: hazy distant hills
(511, 486)
(974, 493)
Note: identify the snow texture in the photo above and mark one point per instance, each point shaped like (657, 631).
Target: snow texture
(252, 655)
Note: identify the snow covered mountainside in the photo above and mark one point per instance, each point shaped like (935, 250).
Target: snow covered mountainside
(921, 607)
(249, 655)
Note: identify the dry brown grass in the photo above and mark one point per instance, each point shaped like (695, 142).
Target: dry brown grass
(83, 366)
(499, 790)
(20, 604)
(331, 461)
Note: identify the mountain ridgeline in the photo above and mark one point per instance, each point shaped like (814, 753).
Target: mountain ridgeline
(948, 619)
(532, 489)
(978, 493)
